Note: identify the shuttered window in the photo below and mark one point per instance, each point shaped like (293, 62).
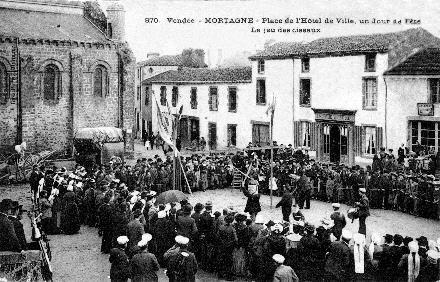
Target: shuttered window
(232, 99)
(174, 96)
(193, 98)
(369, 93)
(434, 90)
(213, 99)
(370, 140)
(305, 134)
(304, 92)
(261, 91)
(232, 134)
(344, 140)
(163, 95)
(326, 135)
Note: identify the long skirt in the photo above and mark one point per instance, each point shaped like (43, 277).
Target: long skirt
(239, 260)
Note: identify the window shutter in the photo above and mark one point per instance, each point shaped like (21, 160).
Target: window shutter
(358, 140)
(60, 86)
(257, 92)
(379, 138)
(210, 100)
(296, 134)
(363, 92)
(216, 101)
(314, 136)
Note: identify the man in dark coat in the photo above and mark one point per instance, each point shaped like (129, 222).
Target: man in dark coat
(14, 217)
(337, 265)
(186, 225)
(144, 265)
(227, 239)
(120, 268)
(363, 210)
(163, 234)
(206, 231)
(135, 230)
(182, 264)
(70, 214)
(308, 251)
(8, 238)
(304, 190)
(253, 206)
(339, 221)
(105, 224)
(34, 178)
(286, 205)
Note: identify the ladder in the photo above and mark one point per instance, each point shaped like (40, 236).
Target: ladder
(237, 180)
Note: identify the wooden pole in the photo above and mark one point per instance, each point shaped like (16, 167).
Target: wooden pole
(271, 158)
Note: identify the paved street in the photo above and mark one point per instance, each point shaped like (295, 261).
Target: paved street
(78, 257)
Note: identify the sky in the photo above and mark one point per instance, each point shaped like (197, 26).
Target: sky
(168, 38)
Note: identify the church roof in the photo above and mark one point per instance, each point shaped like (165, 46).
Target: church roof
(49, 26)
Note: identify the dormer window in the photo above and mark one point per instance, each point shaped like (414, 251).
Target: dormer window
(305, 64)
(370, 62)
(260, 66)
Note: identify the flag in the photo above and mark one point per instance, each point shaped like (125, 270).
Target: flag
(271, 108)
(164, 125)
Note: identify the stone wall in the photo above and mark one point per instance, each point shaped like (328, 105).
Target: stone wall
(51, 125)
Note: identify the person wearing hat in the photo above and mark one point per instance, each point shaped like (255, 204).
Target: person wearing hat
(411, 264)
(186, 225)
(14, 217)
(206, 231)
(164, 233)
(105, 213)
(338, 262)
(339, 221)
(227, 239)
(70, 222)
(34, 180)
(182, 264)
(363, 210)
(286, 205)
(144, 265)
(283, 273)
(308, 252)
(253, 206)
(135, 230)
(8, 238)
(120, 267)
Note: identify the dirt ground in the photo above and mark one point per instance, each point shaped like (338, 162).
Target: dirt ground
(78, 257)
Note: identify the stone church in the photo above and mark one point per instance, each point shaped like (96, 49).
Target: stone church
(64, 66)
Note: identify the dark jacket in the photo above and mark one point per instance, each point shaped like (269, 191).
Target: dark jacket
(186, 226)
(8, 238)
(120, 268)
(144, 267)
(338, 260)
(135, 229)
(182, 268)
(253, 202)
(285, 203)
(19, 231)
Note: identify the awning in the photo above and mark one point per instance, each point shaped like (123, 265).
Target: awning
(100, 134)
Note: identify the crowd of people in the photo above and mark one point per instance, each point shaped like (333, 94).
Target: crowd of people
(142, 235)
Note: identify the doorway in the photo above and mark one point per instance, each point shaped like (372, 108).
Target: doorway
(212, 135)
(335, 144)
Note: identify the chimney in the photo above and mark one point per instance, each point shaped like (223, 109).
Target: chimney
(219, 57)
(152, 55)
(116, 21)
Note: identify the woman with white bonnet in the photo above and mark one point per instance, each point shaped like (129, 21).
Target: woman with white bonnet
(120, 267)
(411, 264)
(362, 263)
(375, 251)
(144, 265)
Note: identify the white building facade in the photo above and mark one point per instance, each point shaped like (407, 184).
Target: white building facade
(218, 105)
(334, 97)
